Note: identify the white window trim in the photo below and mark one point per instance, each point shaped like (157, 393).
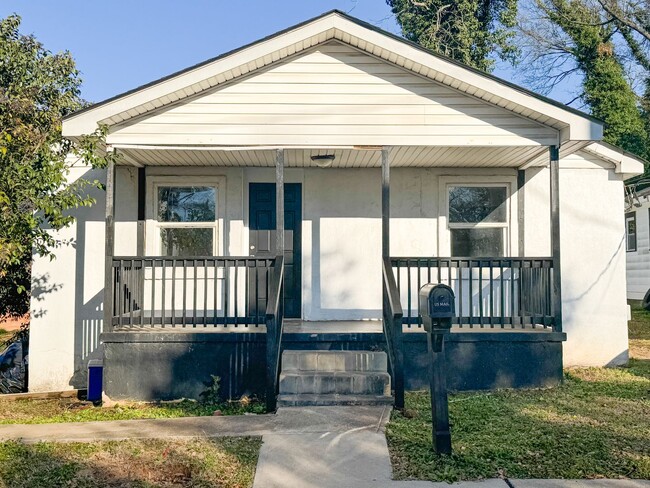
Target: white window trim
(152, 239)
(511, 226)
(631, 217)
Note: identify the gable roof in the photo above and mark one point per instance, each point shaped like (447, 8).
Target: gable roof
(626, 163)
(334, 25)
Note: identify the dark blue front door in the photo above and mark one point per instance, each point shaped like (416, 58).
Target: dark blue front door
(262, 223)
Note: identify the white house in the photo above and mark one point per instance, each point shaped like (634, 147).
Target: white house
(399, 167)
(637, 244)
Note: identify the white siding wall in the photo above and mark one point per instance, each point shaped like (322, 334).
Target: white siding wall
(335, 95)
(638, 262)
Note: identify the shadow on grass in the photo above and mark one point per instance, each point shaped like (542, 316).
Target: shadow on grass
(228, 462)
(596, 425)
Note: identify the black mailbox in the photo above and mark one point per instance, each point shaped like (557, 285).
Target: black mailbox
(437, 307)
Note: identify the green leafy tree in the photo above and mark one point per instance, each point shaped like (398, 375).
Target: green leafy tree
(37, 89)
(470, 31)
(605, 89)
(564, 38)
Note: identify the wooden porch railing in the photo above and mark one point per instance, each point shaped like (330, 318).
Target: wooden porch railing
(274, 329)
(150, 292)
(392, 322)
(190, 292)
(514, 293)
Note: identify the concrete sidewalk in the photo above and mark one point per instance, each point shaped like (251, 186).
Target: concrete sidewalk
(253, 425)
(310, 447)
(513, 483)
(286, 421)
(331, 454)
(354, 454)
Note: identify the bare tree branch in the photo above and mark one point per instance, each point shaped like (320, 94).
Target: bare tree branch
(617, 13)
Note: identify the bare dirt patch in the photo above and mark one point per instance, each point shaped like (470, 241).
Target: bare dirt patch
(12, 324)
(9, 325)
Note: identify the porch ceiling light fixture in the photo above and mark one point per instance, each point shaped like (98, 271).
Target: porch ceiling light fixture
(324, 160)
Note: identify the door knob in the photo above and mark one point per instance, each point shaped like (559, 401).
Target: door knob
(252, 247)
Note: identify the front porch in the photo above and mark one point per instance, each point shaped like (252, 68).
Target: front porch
(226, 314)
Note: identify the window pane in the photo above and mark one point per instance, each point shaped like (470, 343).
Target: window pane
(186, 204)
(473, 204)
(194, 241)
(630, 231)
(477, 242)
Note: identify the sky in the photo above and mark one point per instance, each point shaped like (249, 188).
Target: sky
(119, 45)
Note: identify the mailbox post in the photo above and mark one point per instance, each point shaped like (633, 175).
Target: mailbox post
(437, 307)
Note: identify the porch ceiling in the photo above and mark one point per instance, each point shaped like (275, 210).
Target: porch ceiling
(402, 156)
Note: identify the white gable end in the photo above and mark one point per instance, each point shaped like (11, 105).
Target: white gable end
(334, 95)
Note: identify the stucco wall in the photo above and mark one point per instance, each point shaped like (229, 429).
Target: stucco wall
(341, 253)
(67, 297)
(593, 267)
(593, 256)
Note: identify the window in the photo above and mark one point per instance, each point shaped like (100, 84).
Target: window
(186, 220)
(630, 231)
(478, 220)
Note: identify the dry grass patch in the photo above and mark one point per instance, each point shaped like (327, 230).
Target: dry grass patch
(226, 462)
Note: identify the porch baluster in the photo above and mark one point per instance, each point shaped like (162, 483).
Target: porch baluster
(528, 290)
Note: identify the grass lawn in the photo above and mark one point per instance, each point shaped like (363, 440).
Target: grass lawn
(639, 332)
(597, 424)
(71, 410)
(227, 463)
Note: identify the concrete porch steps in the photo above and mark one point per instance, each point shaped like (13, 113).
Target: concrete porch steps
(312, 378)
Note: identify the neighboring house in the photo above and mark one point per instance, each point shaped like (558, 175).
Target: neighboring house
(637, 244)
(399, 167)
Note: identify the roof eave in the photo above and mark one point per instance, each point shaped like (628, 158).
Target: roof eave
(626, 163)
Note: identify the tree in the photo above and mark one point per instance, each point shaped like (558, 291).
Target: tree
(567, 37)
(469, 31)
(37, 89)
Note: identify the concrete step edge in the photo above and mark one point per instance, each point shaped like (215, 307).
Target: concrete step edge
(307, 400)
(334, 384)
(323, 351)
(335, 361)
(292, 373)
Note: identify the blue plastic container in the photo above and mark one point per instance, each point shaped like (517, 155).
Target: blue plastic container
(95, 377)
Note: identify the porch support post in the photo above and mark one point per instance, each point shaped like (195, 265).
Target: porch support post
(521, 181)
(554, 153)
(142, 192)
(392, 323)
(109, 247)
(279, 202)
(385, 203)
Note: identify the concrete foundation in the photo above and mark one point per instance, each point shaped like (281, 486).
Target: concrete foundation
(172, 365)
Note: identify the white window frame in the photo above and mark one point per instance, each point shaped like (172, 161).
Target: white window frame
(631, 217)
(510, 227)
(153, 244)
